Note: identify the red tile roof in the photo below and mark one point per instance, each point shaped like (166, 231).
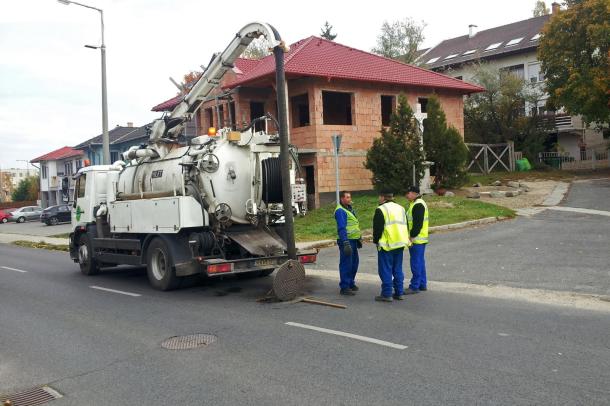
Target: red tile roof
(315, 56)
(242, 65)
(62, 153)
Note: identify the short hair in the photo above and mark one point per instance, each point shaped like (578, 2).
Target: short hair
(343, 193)
(387, 194)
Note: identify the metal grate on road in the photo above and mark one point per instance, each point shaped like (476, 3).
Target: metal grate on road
(188, 342)
(30, 397)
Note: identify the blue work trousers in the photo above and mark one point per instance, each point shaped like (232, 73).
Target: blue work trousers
(389, 264)
(348, 265)
(418, 267)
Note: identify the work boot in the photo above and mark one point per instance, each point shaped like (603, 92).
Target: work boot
(355, 288)
(423, 289)
(347, 292)
(398, 297)
(383, 299)
(410, 291)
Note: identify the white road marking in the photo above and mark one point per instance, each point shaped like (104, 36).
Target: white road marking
(348, 335)
(115, 291)
(13, 269)
(579, 210)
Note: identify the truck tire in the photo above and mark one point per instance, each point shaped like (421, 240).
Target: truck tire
(160, 266)
(88, 265)
(266, 273)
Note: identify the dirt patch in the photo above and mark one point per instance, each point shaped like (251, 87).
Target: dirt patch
(538, 191)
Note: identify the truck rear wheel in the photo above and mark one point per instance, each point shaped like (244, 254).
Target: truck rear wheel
(88, 265)
(160, 266)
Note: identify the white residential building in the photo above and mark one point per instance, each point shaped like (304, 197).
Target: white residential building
(56, 170)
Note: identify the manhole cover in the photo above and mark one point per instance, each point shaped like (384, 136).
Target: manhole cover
(30, 397)
(188, 342)
(289, 280)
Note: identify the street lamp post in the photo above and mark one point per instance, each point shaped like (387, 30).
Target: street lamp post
(102, 48)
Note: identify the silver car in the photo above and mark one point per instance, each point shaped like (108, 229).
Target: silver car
(26, 213)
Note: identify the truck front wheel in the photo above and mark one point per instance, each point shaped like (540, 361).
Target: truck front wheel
(88, 265)
(160, 266)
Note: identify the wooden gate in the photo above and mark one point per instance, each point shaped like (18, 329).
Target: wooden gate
(488, 156)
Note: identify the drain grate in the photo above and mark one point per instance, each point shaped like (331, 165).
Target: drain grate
(188, 342)
(30, 397)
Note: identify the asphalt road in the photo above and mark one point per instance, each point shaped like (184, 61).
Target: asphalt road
(34, 228)
(100, 347)
(552, 250)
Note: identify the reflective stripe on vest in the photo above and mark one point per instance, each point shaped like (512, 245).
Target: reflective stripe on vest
(422, 237)
(353, 225)
(395, 232)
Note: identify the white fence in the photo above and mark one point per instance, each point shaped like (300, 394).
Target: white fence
(591, 158)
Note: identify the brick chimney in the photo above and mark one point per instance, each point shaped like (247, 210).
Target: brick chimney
(555, 7)
(129, 124)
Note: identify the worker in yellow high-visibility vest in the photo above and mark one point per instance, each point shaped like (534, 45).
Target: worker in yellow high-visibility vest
(417, 216)
(349, 241)
(391, 236)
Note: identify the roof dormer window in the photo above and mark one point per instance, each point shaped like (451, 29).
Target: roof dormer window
(451, 56)
(535, 37)
(433, 60)
(493, 46)
(469, 52)
(513, 42)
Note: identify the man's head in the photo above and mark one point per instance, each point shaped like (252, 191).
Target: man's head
(345, 198)
(385, 195)
(412, 193)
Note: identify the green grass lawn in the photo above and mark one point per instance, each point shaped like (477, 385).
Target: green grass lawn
(320, 224)
(551, 174)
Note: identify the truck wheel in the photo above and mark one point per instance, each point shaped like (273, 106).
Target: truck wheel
(266, 273)
(160, 266)
(21, 220)
(88, 265)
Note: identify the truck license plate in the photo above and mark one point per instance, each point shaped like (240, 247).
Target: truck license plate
(264, 262)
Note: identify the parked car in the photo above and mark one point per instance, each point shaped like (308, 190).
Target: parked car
(5, 215)
(26, 213)
(56, 214)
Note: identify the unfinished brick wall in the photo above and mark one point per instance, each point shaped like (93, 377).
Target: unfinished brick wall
(314, 139)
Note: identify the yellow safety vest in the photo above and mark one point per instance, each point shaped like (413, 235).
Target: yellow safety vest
(395, 231)
(353, 225)
(422, 237)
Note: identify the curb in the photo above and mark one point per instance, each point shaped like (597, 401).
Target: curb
(445, 227)
(557, 195)
(10, 238)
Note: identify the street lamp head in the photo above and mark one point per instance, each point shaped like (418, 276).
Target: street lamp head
(64, 2)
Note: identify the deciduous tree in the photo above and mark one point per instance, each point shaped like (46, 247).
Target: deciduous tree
(400, 40)
(575, 54)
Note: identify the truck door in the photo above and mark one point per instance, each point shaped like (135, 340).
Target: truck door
(81, 213)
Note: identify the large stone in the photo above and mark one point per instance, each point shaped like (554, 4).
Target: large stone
(521, 184)
(449, 194)
(477, 185)
(497, 194)
(497, 183)
(511, 194)
(474, 195)
(513, 184)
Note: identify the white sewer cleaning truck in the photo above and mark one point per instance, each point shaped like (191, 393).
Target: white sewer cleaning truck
(221, 205)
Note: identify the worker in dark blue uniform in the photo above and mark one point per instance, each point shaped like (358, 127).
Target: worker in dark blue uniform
(391, 236)
(348, 240)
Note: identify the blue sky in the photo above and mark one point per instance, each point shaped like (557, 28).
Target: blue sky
(50, 93)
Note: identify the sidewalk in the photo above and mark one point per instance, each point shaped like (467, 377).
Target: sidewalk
(10, 238)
